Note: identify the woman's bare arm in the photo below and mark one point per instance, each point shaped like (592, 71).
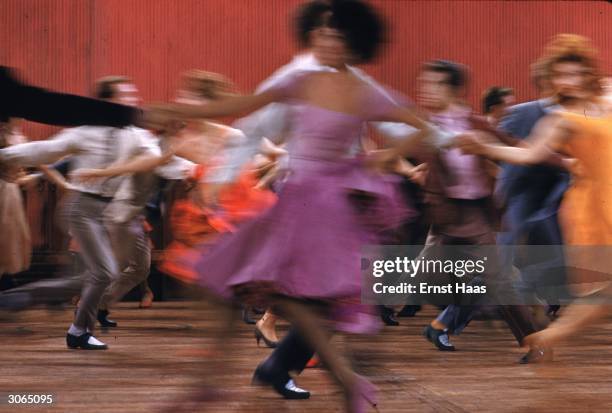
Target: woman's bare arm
(138, 164)
(234, 105)
(548, 135)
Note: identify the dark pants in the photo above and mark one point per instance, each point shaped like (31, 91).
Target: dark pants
(291, 354)
(457, 316)
(531, 218)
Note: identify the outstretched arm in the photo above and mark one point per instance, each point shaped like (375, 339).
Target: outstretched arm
(548, 135)
(41, 105)
(414, 141)
(412, 144)
(54, 177)
(138, 164)
(234, 105)
(37, 153)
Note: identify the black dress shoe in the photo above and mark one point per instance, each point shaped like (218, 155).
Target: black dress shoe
(439, 338)
(388, 316)
(104, 320)
(285, 386)
(537, 355)
(82, 341)
(409, 311)
(246, 317)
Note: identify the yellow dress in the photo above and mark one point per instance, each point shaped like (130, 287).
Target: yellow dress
(586, 211)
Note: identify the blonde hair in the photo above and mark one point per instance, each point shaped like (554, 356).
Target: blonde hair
(208, 85)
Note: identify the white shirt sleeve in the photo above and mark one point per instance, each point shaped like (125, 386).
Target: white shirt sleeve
(176, 170)
(147, 144)
(36, 153)
(272, 122)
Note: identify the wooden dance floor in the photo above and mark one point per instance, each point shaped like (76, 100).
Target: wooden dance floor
(155, 355)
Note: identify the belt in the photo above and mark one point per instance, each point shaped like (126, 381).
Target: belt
(97, 197)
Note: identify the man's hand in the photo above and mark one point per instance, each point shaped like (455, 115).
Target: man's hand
(28, 181)
(574, 166)
(418, 174)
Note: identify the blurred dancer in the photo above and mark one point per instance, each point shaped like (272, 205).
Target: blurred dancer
(15, 242)
(531, 196)
(582, 130)
(122, 219)
(495, 103)
(276, 121)
(460, 188)
(308, 245)
(193, 224)
(125, 214)
(90, 146)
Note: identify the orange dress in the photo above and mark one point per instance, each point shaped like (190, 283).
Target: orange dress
(586, 211)
(194, 227)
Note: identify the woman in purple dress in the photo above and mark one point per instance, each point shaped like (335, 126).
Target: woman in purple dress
(307, 248)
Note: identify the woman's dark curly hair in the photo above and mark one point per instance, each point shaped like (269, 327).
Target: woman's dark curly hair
(363, 28)
(310, 16)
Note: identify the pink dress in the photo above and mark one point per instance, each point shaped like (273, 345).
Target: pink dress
(308, 245)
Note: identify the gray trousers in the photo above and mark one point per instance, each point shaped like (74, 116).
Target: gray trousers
(85, 217)
(130, 243)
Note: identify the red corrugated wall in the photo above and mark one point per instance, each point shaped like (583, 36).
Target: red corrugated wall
(66, 44)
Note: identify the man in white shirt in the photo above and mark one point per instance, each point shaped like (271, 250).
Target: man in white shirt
(90, 147)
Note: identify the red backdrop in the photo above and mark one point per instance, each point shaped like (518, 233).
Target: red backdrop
(66, 44)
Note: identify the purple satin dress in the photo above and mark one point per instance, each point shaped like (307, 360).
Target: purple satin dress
(308, 245)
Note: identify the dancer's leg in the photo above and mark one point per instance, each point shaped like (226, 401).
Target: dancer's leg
(305, 319)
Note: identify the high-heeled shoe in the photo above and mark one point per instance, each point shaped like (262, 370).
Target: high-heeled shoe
(362, 396)
(537, 355)
(259, 335)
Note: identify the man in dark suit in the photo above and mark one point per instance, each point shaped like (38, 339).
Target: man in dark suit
(532, 196)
